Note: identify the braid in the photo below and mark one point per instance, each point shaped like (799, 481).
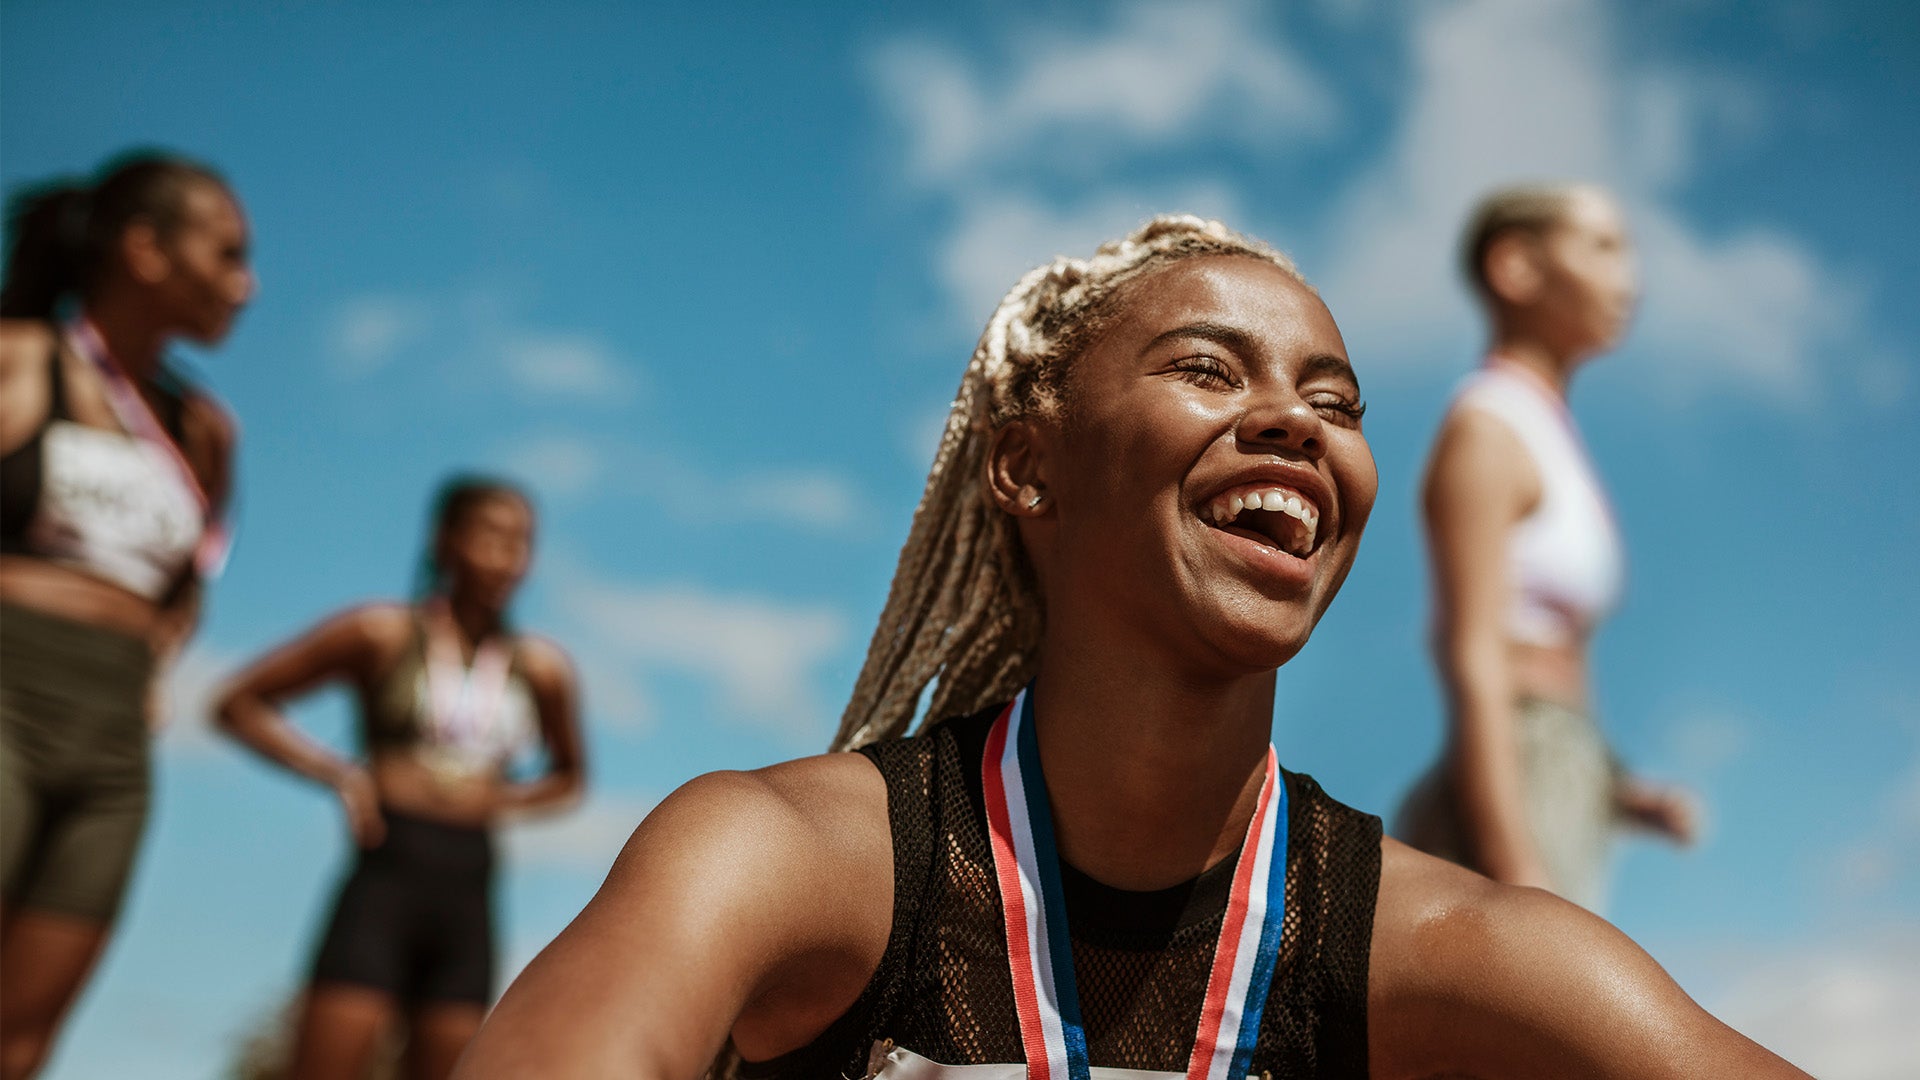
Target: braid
(964, 612)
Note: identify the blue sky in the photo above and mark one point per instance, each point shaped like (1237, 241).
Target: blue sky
(706, 278)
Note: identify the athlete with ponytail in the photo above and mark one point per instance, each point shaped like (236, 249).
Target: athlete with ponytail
(1151, 486)
(114, 475)
(448, 693)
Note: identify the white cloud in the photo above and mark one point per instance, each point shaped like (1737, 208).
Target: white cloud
(572, 365)
(585, 837)
(761, 657)
(1498, 91)
(187, 696)
(1842, 1010)
(1508, 90)
(696, 494)
(560, 465)
(1000, 236)
(1160, 73)
(367, 331)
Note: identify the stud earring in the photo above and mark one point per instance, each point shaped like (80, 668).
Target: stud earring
(1034, 503)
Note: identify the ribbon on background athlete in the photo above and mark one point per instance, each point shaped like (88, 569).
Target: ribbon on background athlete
(137, 417)
(1026, 865)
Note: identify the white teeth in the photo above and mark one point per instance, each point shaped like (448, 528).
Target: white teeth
(1276, 500)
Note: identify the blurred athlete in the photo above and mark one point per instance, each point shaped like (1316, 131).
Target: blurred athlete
(448, 693)
(1527, 561)
(114, 473)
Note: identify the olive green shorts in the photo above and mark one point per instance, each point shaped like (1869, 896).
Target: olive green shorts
(1569, 777)
(74, 762)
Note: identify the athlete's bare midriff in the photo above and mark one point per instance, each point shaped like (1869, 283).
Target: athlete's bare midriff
(1554, 673)
(411, 786)
(66, 593)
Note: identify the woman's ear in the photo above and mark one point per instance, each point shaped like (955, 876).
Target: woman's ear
(1016, 470)
(141, 252)
(1513, 267)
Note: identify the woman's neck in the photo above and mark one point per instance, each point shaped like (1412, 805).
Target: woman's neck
(1153, 777)
(134, 341)
(474, 621)
(1528, 353)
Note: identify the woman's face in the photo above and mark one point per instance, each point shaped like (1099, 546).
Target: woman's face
(1588, 283)
(1222, 383)
(488, 551)
(209, 278)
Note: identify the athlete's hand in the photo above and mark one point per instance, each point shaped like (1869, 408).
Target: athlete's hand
(361, 800)
(1672, 812)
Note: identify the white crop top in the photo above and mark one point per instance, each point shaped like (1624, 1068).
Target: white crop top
(1565, 560)
(112, 507)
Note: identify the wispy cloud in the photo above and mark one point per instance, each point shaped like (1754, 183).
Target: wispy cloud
(1497, 91)
(583, 838)
(1505, 90)
(554, 464)
(999, 235)
(687, 490)
(366, 332)
(1841, 1010)
(1158, 73)
(188, 698)
(572, 365)
(759, 656)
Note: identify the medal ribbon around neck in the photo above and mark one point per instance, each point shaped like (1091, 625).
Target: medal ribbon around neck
(463, 700)
(1026, 865)
(137, 417)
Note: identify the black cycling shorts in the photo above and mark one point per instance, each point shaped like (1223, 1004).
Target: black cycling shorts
(415, 918)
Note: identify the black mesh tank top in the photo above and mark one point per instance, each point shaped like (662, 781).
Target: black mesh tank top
(1141, 960)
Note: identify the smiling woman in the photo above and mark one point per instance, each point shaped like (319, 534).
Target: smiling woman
(1152, 484)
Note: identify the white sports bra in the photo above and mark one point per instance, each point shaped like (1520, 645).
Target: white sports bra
(110, 504)
(1565, 560)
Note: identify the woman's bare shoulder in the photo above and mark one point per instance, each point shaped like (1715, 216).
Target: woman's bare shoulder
(1473, 977)
(752, 905)
(23, 341)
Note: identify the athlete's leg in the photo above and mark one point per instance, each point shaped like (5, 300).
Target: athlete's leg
(340, 1028)
(441, 1031)
(45, 957)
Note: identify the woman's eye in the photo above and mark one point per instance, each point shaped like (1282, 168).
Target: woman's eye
(1340, 408)
(1203, 371)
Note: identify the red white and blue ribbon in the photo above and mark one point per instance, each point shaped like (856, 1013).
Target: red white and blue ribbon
(1039, 952)
(136, 416)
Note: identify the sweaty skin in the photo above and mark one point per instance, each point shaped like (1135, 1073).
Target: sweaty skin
(756, 906)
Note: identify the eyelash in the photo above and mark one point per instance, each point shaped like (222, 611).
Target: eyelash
(1205, 371)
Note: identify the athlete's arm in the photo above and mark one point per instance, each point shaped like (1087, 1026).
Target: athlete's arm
(1479, 484)
(1473, 978)
(557, 698)
(24, 395)
(209, 446)
(340, 649)
(754, 906)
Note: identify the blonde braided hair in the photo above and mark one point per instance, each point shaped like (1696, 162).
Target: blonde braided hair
(964, 613)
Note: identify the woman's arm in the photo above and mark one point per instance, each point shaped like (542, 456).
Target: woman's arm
(1473, 978)
(338, 650)
(556, 694)
(1479, 484)
(209, 444)
(751, 906)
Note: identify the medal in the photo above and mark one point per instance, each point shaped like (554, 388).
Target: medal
(1027, 868)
